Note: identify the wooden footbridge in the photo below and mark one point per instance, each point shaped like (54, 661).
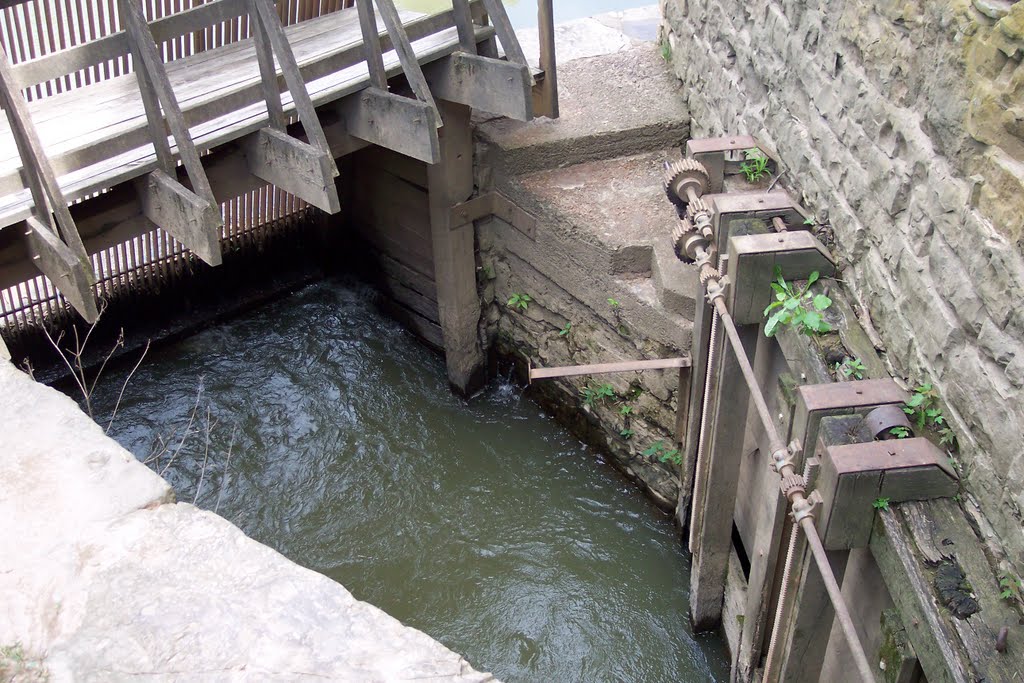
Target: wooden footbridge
(163, 117)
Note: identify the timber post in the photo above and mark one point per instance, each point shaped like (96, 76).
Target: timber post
(450, 182)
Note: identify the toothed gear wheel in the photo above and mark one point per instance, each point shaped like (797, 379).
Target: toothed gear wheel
(682, 229)
(791, 484)
(682, 174)
(708, 274)
(693, 208)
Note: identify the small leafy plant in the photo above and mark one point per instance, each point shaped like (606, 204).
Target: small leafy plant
(626, 410)
(663, 453)
(520, 301)
(1009, 587)
(923, 407)
(566, 329)
(880, 504)
(666, 51)
(614, 303)
(900, 432)
(755, 167)
(594, 394)
(626, 433)
(788, 307)
(851, 367)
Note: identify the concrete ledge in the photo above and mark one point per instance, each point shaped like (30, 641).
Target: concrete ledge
(105, 578)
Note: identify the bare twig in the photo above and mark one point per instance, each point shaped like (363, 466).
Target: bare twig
(206, 454)
(124, 385)
(188, 429)
(227, 465)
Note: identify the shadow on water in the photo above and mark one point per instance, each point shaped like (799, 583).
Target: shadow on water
(482, 523)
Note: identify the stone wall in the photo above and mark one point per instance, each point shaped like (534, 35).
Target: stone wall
(902, 125)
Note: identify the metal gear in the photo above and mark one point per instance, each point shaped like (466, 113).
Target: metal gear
(682, 175)
(694, 208)
(791, 484)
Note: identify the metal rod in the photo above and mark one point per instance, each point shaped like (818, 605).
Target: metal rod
(604, 368)
(775, 442)
(807, 522)
(834, 592)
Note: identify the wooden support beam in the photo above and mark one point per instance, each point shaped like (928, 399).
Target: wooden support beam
(506, 34)
(294, 166)
(269, 23)
(723, 454)
(64, 261)
(72, 277)
(193, 216)
(450, 182)
(187, 217)
(809, 622)
(609, 368)
(406, 56)
(492, 85)
(402, 124)
(545, 93)
(464, 25)
(494, 204)
(371, 44)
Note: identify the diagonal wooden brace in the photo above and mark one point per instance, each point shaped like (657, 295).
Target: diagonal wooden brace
(193, 216)
(406, 55)
(305, 169)
(52, 236)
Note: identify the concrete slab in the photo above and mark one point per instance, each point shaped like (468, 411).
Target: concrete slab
(612, 105)
(103, 577)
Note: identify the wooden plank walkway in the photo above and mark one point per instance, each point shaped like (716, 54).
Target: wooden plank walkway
(96, 137)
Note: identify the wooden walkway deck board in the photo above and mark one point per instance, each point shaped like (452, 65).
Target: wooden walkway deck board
(96, 137)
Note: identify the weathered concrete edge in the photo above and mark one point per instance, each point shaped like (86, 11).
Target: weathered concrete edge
(102, 575)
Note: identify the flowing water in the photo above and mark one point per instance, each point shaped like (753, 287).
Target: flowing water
(334, 438)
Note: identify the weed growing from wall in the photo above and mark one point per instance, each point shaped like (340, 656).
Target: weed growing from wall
(789, 308)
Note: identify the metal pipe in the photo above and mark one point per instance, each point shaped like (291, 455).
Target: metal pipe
(698, 477)
(834, 592)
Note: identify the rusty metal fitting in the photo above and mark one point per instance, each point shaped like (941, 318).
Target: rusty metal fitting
(804, 507)
(880, 422)
(791, 484)
(707, 271)
(782, 458)
(715, 289)
(693, 244)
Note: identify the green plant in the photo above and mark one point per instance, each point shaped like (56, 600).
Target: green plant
(666, 50)
(626, 410)
(756, 165)
(923, 408)
(663, 453)
(1010, 587)
(626, 433)
(613, 303)
(850, 367)
(810, 222)
(488, 271)
(881, 504)
(594, 394)
(900, 432)
(521, 301)
(947, 437)
(789, 307)
(566, 329)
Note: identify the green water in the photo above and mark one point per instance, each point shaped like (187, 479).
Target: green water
(523, 13)
(483, 523)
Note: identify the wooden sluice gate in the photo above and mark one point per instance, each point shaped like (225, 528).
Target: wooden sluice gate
(145, 142)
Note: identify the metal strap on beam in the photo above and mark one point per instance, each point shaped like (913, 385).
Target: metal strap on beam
(191, 216)
(64, 261)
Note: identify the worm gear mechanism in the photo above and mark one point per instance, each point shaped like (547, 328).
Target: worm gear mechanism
(685, 181)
